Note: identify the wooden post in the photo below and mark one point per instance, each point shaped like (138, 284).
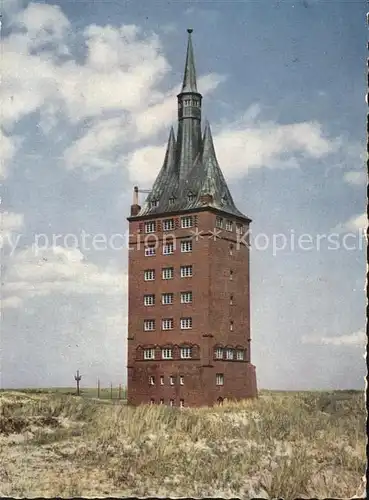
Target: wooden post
(77, 378)
(111, 391)
(120, 391)
(98, 388)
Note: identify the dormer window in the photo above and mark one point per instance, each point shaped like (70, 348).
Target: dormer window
(154, 203)
(224, 200)
(172, 200)
(190, 196)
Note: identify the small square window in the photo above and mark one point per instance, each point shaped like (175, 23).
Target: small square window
(161, 401)
(167, 298)
(186, 246)
(167, 324)
(171, 402)
(150, 227)
(181, 403)
(229, 354)
(219, 379)
(186, 353)
(149, 353)
(167, 353)
(186, 297)
(171, 380)
(239, 228)
(231, 326)
(186, 221)
(229, 225)
(167, 273)
(186, 323)
(168, 248)
(149, 325)
(151, 380)
(181, 380)
(168, 224)
(219, 222)
(186, 271)
(240, 355)
(219, 353)
(149, 300)
(161, 380)
(152, 401)
(150, 250)
(149, 274)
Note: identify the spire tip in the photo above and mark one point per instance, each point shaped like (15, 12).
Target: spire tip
(189, 30)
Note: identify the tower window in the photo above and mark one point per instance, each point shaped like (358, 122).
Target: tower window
(167, 298)
(150, 251)
(181, 403)
(161, 401)
(152, 401)
(149, 353)
(219, 353)
(231, 300)
(150, 227)
(149, 325)
(151, 380)
(231, 275)
(231, 249)
(186, 297)
(186, 221)
(219, 379)
(219, 222)
(167, 273)
(171, 402)
(149, 274)
(186, 271)
(186, 246)
(181, 380)
(240, 355)
(171, 380)
(239, 228)
(168, 248)
(231, 326)
(149, 300)
(167, 353)
(186, 323)
(229, 354)
(168, 224)
(186, 353)
(167, 324)
(161, 380)
(229, 225)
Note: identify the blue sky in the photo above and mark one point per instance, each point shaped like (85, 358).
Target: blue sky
(87, 102)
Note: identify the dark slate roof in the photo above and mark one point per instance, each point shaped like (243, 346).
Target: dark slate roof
(173, 192)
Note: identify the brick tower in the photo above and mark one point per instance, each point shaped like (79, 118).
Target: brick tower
(189, 286)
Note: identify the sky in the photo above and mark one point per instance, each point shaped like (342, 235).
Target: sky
(87, 100)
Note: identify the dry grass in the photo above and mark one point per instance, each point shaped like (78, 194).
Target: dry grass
(281, 445)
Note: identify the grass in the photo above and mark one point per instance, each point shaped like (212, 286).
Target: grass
(286, 445)
(87, 392)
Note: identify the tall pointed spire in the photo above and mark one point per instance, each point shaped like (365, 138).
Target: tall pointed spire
(171, 150)
(208, 150)
(189, 79)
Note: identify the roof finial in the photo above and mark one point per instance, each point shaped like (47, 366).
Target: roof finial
(189, 80)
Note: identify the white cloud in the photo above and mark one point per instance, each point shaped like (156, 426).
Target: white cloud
(8, 148)
(241, 146)
(355, 178)
(39, 272)
(144, 163)
(11, 302)
(356, 339)
(356, 222)
(10, 222)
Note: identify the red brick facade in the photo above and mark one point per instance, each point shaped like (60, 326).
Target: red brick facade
(220, 312)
